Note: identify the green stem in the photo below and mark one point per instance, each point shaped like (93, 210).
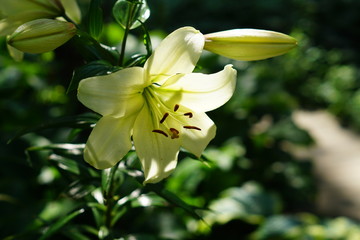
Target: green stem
(109, 197)
(126, 33)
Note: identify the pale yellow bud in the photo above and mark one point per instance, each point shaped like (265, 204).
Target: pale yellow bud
(41, 35)
(14, 13)
(12, 7)
(249, 44)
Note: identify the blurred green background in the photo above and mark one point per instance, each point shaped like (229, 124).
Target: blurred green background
(255, 188)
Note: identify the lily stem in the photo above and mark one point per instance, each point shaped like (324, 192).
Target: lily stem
(110, 197)
(129, 23)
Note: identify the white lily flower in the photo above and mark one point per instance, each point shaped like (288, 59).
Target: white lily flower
(161, 107)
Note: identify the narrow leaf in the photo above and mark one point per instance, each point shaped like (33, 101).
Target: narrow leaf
(60, 224)
(95, 19)
(78, 121)
(172, 198)
(72, 166)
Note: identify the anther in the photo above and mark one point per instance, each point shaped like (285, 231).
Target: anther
(164, 117)
(192, 127)
(160, 131)
(174, 133)
(176, 107)
(189, 114)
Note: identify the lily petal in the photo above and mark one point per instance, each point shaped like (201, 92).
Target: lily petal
(199, 92)
(116, 94)
(157, 152)
(15, 54)
(72, 10)
(177, 53)
(109, 141)
(196, 139)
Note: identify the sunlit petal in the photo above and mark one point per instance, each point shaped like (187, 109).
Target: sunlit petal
(197, 132)
(157, 152)
(177, 53)
(109, 141)
(115, 94)
(200, 92)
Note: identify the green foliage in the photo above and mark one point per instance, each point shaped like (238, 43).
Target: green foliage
(247, 185)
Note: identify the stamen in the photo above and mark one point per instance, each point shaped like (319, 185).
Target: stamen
(174, 133)
(160, 131)
(164, 117)
(189, 114)
(192, 127)
(176, 107)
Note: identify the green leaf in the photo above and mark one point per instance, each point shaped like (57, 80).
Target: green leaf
(94, 68)
(249, 203)
(60, 224)
(98, 212)
(146, 40)
(136, 60)
(92, 50)
(111, 180)
(79, 189)
(131, 13)
(72, 166)
(74, 233)
(78, 121)
(95, 19)
(279, 227)
(172, 198)
(147, 200)
(69, 148)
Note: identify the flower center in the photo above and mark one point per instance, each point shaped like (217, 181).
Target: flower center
(168, 122)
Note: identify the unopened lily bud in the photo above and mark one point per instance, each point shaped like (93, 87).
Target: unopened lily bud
(41, 35)
(11, 7)
(249, 44)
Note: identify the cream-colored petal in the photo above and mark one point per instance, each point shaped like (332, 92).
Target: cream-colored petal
(177, 53)
(157, 152)
(15, 54)
(72, 10)
(197, 132)
(199, 92)
(109, 141)
(116, 94)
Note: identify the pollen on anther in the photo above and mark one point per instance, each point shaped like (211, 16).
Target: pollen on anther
(164, 117)
(189, 114)
(192, 127)
(160, 131)
(176, 107)
(174, 133)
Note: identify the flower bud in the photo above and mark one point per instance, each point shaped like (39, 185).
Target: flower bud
(15, 13)
(41, 35)
(11, 7)
(249, 44)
